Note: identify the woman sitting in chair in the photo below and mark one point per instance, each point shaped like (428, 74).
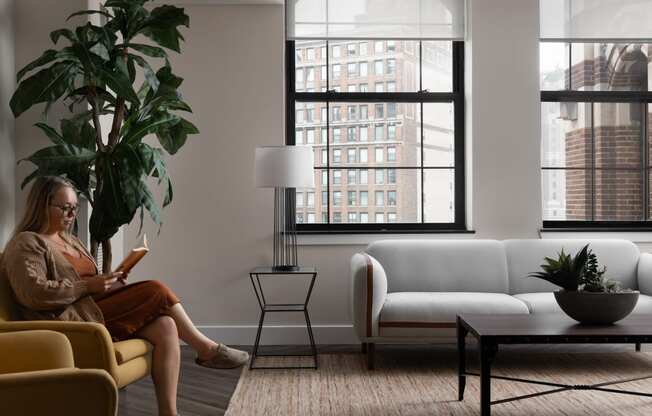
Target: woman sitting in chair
(54, 277)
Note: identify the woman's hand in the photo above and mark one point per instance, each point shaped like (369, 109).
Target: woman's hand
(102, 283)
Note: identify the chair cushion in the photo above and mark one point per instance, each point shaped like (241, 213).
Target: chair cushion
(546, 303)
(439, 307)
(130, 349)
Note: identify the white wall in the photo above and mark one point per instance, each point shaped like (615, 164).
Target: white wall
(7, 151)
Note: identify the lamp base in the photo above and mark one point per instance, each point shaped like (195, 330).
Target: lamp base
(285, 268)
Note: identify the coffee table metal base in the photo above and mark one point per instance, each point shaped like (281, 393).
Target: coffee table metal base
(488, 347)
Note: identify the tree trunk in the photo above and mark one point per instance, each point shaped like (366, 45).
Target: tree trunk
(107, 256)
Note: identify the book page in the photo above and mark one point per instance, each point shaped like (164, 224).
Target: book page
(134, 256)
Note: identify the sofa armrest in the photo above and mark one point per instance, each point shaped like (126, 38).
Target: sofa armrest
(645, 273)
(369, 293)
(91, 343)
(59, 392)
(34, 351)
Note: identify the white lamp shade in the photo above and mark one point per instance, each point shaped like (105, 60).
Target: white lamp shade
(284, 167)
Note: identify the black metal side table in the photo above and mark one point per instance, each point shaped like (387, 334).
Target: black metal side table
(255, 276)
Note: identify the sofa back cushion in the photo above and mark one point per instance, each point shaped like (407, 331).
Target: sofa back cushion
(442, 265)
(526, 256)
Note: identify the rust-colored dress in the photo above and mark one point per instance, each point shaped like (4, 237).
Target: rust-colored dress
(127, 309)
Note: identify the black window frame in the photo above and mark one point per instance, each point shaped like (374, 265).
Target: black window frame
(455, 96)
(644, 98)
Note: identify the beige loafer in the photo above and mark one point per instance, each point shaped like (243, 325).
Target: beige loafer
(225, 358)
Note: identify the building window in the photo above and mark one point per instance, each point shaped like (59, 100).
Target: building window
(364, 198)
(364, 158)
(311, 218)
(353, 217)
(299, 199)
(415, 112)
(351, 198)
(351, 176)
(391, 154)
(595, 103)
(310, 199)
(350, 155)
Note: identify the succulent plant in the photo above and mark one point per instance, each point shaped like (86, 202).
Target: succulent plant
(566, 271)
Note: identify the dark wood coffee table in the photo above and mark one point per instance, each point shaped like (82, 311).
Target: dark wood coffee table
(493, 330)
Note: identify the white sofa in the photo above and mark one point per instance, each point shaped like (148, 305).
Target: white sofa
(407, 291)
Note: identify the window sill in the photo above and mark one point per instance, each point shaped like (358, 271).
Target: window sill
(636, 235)
(364, 238)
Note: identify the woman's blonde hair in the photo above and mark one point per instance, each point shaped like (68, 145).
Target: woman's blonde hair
(36, 217)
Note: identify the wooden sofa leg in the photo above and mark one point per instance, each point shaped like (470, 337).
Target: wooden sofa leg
(364, 347)
(638, 347)
(371, 350)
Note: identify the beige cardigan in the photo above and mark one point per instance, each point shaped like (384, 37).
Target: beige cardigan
(45, 284)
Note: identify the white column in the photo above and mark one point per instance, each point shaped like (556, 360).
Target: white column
(502, 88)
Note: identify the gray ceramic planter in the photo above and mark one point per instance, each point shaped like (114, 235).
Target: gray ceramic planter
(593, 308)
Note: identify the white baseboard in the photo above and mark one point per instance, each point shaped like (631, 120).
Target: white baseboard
(280, 334)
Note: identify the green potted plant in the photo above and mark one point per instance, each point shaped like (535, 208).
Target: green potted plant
(95, 73)
(586, 295)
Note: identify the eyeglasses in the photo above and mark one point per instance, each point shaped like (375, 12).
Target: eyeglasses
(67, 209)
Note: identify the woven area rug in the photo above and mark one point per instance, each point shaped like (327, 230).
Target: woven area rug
(426, 384)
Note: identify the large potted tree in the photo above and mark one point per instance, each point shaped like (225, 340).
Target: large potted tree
(95, 74)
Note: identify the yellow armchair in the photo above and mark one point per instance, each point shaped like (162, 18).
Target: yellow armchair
(37, 377)
(126, 361)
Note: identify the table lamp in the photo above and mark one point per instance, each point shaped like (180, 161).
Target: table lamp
(285, 168)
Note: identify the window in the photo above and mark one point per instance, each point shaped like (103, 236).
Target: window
(374, 92)
(594, 109)
(391, 154)
(364, 174)
(351, 198)
(322, 71)
(310, 54)
(363, 155)
(391, 198)
(337, 198)
(352, 174)
(380, 177)
(364, 133)
(310, 199)
(364, 71)
(299, 199)
(379, 154)
(311, 218)
(350, 156)
(364, 198)
(337, 177)
(299, 76)
(379, 198)
(379, 67)
(337, 155)
(353, 217)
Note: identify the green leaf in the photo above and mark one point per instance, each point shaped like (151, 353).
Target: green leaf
(47, 57)
(62, 155)
(151, 51)
(78, 134)
(150, 75)
(87, 12)
(167, 200)
(46, 85)
(54, 136)
(172, 139)
(134, 132)
(161, 26)
(119, 83)
(66, 33)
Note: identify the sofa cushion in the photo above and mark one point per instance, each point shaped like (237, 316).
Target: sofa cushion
(442, 266)
(526, 256)
(546, 303)
(431, 308)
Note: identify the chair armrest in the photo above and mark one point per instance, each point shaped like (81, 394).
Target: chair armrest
(645, 273)
(33, 351)
(369, 293)
(91, 343)
(59, 392)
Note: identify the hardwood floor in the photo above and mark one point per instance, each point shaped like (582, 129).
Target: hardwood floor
(204, 391)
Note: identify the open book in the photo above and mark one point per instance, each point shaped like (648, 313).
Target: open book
(134, 256)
